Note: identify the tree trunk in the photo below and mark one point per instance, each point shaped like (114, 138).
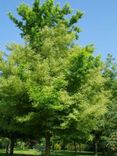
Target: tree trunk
(12, 144)
(7, 149)
(75, 148)
(63, 146)
(80, 147)
(96, 148)
(47, 147)
(104, 151)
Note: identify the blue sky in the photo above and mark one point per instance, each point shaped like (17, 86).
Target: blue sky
(99, 24)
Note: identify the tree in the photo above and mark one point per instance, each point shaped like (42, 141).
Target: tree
(107, 124)
(37, 82)
(109, 132)
(89, 96)
(55, 84)
(42, 27)
(14, 100)
(46, 83)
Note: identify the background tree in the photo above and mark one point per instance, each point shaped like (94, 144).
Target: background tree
(14, 99)
(89, 97)
(110, 119)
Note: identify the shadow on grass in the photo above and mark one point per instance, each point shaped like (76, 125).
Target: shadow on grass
(70, 153)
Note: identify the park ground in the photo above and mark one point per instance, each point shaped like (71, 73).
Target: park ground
(31, 152)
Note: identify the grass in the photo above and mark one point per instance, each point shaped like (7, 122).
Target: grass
(32, 152)
(70, 153)
(27, 152)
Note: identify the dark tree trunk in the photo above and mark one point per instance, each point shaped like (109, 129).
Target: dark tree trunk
(96, 148)
(75, 148)
(104, 151)
(7, 148)
(80, 147)
(47, 147)
(12, 144)
(63, 146)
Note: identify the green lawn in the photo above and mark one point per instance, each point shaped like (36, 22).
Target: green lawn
(55, 153)
(21, 153)
(69, 153)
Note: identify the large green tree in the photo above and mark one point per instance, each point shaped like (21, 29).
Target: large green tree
(49, 83)
(37, 82)
(50, 34)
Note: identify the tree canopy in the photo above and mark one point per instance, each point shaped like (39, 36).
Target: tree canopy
(50, 86)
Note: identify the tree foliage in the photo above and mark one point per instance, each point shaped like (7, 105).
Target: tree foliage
(35, 18)
(51, 85)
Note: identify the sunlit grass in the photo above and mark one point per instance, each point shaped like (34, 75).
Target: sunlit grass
(33, 152)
